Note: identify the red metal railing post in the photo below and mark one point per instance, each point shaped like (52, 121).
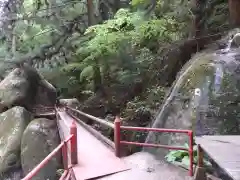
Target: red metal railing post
(73, 143)
(117, 135)
(65, 156)
(190, 151)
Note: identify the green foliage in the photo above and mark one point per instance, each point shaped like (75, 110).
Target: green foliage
(121, 50)
(181, 157)
(149, 102)
(86, 73)
(120, 47)
(138, 2)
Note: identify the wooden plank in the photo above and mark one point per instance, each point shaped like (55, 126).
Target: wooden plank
(94, 157)
(225, 151)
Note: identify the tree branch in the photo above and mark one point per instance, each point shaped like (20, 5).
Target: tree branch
(48, 50)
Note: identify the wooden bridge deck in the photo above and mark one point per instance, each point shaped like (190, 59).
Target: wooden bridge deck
(44, 112)
(94, 158)
(225, 151)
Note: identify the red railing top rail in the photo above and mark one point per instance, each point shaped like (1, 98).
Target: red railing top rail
(155, 129)
(97, 134)
(99, 120)
(31, 174)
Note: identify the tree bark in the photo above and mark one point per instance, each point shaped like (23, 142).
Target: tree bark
(198, 11)
(97, 78)
(234, 11)
(116, 5)
(90, 11)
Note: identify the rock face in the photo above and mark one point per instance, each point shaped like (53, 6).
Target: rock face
(25, 87)
(12, 125)
(205, 98)
(73, 103)
(46, 93)
(236, 41)
(39, 139)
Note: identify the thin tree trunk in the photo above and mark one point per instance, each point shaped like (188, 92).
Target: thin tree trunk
(97, 78)
(198, 13)
(116, 5)
(90, 10)
(14, 44)
(9, 12)
(234, 11)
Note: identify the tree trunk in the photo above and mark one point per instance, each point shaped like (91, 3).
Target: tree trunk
(97, 79)
(104, 11)
(9, 13)
(234, 11)
(90, 10)
(197, 7)
(116, 5)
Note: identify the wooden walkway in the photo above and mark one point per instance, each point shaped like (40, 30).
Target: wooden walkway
(94, 158)
(225, 151)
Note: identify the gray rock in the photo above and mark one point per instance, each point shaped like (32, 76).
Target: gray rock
(39, 139)
(235, 41)
(12, 125)
(225, 41)
(46, 93)
(147, 166)
(73, 103)
(205, 99)
(14, 174)
(25, 87)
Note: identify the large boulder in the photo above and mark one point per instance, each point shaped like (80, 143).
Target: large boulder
(205, 99)
(39, 139)
(12, 125)
(25, 87)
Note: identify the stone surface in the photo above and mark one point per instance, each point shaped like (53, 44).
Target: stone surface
(46, 94)
(25, 87)
(15, 174)
(145, 166)
(236, 41)
(12, 125)
(39, 139)
(73, 103)
(205, 98)
(200, 174)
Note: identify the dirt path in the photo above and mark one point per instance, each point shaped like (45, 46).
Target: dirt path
(146, 167)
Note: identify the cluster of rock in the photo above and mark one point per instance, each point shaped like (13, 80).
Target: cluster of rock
(25, 140)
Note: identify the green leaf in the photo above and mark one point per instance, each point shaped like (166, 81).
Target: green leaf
(186, 145)
(170, 158)
(177, 154)
(186, 161)
(72, 67)
(87, 73)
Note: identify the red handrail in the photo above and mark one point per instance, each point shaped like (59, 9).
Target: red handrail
(98, 120)
(63, 146)
(118, 142)
(117, 135)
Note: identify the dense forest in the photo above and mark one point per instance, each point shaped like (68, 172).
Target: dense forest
(113, 56)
